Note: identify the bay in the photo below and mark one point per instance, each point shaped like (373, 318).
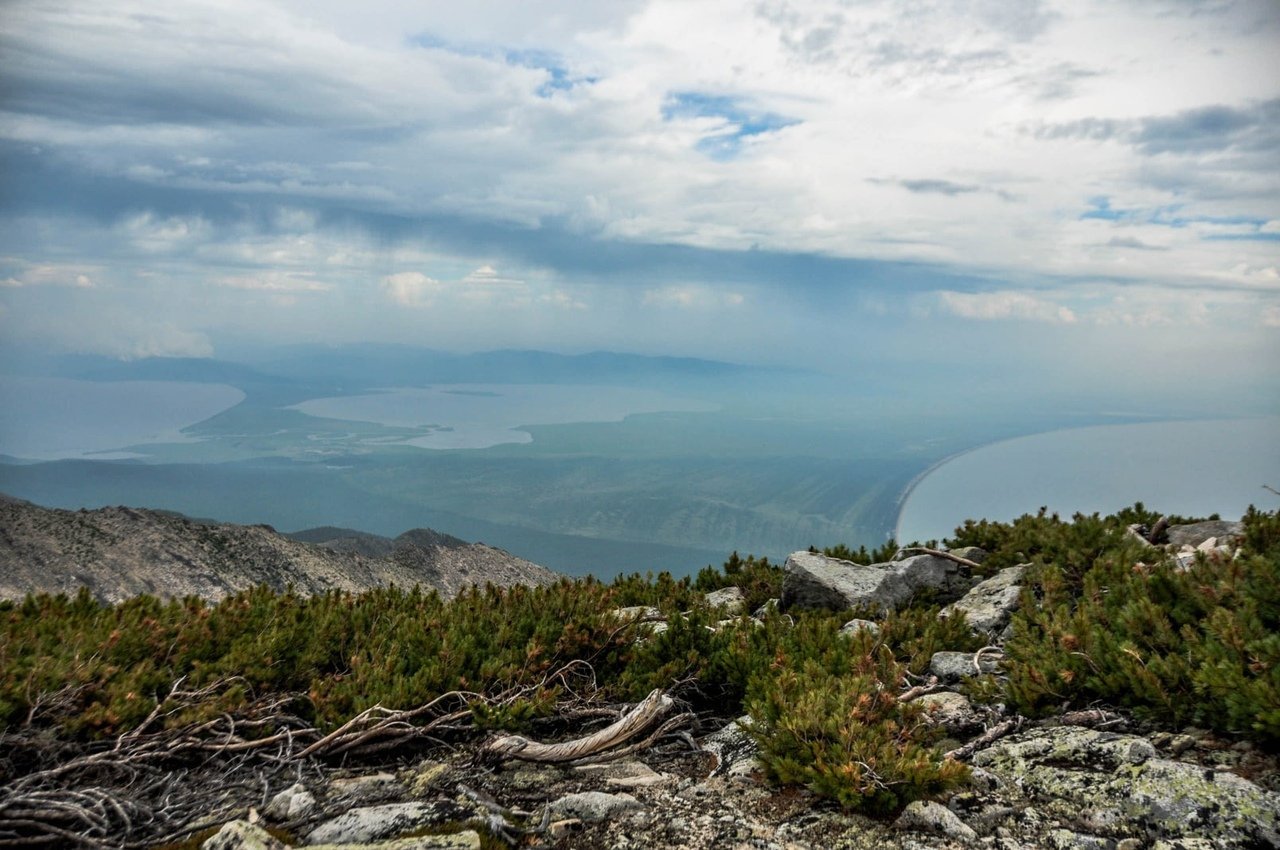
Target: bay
(1184, 467)
(60, 418)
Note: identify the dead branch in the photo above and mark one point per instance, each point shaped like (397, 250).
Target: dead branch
(1092, 718)
(627, 727)
(929, 687)
(939, 553)
(989, 737)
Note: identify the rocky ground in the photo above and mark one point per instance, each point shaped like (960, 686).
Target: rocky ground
(1050, 786)
(1088, 780)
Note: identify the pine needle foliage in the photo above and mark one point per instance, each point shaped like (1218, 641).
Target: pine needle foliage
(1121, 624)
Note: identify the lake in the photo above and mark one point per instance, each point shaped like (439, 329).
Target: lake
(476, 416)
(1189, 468)
(59, 418)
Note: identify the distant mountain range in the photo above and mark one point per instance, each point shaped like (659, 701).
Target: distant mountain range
(118, 552)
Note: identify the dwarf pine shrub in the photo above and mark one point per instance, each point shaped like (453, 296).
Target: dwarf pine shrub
(1132, 629)
(827, 716)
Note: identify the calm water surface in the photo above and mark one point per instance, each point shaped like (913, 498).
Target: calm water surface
(1188, 468)
(58, 418)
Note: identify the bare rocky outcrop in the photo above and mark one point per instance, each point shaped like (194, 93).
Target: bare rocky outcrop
(818, 581)
(119, 552)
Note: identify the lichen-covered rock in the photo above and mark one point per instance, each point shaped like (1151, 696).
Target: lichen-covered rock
(954, 666)
(1118, 785)
(370, 788)
(731, 600)
(293, 802)
(373, 823)
(736, 752)
(242, 835)
(953, 712)
(817, 581)
(923, 816)
(623, 774)
(990, 604)
(467, 839)
(592, 806)
(855, 626)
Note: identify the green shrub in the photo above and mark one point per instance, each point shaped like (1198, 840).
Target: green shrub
(1200, 645)
(843, 733)
(758, 579)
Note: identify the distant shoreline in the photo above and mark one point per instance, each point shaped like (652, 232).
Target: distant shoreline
(901, 502)
(1169, 451)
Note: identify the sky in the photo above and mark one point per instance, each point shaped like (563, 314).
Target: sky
(1080, 193)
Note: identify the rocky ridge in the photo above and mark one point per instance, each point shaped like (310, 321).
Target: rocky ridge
(119, 552)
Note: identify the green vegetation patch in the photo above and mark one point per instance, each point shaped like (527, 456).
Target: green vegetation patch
(1103, 620)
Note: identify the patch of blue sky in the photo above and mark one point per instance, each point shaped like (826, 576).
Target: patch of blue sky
(1168, 217)
(559, 76)
(741, 120)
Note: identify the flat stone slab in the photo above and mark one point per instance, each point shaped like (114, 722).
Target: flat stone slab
(374, 823)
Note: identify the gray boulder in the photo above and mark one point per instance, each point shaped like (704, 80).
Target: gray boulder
(954, 666)
(816, 581)
(923, 816)
(374, 823)
(592, 806)
(242, 835)
(971, 553)
(854, 626)
(731, 599)
(953, 712)
(1193, 534)
(293, 802)
(1116, 784)
(990, 604)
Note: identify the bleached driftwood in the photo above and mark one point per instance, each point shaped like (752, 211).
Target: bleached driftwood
(938, 553)
(627, 727)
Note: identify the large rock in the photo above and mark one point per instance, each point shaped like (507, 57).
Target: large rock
(989, 605)
(816, 581)
(1195, 533)
(1117, 785)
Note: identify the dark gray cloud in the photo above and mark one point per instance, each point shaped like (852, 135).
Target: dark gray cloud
(1252, 127)
(1135, 244)
(938, 187)
(1212, 128)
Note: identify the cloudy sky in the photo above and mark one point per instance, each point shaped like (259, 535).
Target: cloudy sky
(1080, 187)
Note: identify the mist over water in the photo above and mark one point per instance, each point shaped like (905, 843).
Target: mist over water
(1189, 468)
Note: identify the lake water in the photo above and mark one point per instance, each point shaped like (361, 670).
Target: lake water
(1189, 468)
(59, 418)
(476, 416)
